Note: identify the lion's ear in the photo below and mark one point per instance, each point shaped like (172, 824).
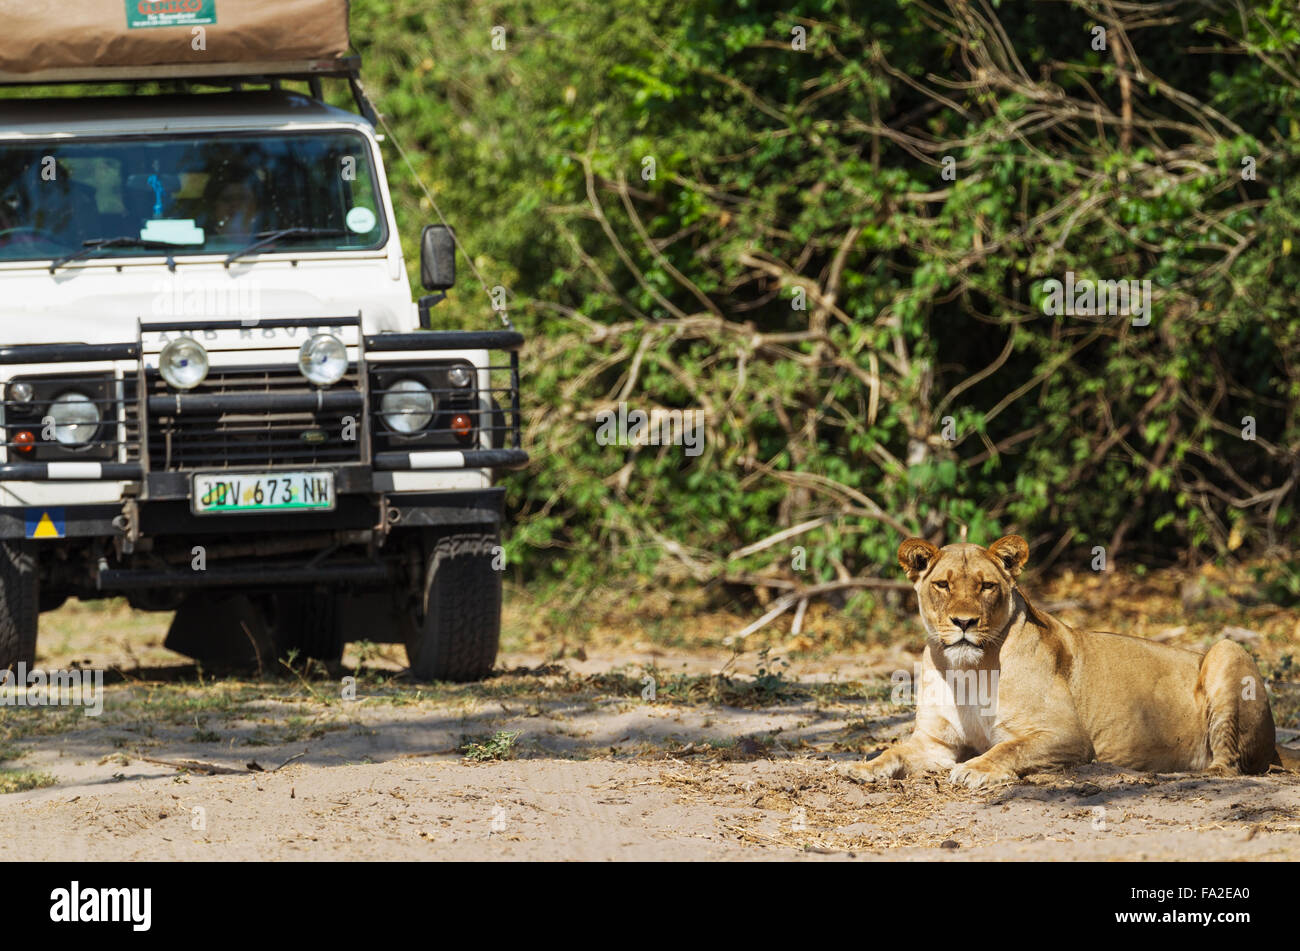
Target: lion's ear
(915, 555)
(1012, 552)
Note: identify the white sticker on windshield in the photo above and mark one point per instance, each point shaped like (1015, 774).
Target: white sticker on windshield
(361, 220)
(172, 231)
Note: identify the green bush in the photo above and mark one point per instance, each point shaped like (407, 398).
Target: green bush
(819, 171)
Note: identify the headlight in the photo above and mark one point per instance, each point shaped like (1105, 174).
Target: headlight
(183, 363)
(407, 407)
(20, 393)
(460, 376)
(76, 419)
(323, 359)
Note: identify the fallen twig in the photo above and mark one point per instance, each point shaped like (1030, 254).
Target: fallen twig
(194, 766)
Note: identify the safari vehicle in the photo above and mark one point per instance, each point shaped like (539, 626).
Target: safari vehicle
(217, 393)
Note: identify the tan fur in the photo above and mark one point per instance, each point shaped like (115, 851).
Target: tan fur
(1006, 689)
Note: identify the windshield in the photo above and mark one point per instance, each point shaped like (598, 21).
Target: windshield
(195, 194)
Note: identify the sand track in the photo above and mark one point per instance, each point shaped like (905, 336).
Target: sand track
(596, 772)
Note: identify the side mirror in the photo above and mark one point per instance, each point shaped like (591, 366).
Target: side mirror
(437, 258)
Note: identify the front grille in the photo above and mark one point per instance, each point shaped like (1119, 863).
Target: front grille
(262, 436)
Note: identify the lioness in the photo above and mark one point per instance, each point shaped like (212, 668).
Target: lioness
(1007, 689)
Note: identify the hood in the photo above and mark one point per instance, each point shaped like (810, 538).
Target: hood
(101, 304)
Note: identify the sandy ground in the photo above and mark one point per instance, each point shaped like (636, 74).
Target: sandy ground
(596, 772)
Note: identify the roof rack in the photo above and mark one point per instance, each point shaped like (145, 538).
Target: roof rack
(310, 71)
(287, 69)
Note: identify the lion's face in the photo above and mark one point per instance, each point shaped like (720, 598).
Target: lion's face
(965, 593)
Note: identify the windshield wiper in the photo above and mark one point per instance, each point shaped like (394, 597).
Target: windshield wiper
(96, 244)
(265, 238)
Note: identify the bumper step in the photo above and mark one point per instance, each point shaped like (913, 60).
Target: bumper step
(78, 471)
(452, 459)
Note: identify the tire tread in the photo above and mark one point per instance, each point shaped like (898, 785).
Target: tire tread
(19, 604)
(461, 630)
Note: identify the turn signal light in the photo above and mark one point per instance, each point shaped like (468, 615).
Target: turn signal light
(461, 425)
(24, 441)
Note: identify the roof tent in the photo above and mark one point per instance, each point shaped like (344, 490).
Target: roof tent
(227, 43)
(113, 40)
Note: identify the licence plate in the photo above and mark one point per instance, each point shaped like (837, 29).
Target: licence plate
(262, 492)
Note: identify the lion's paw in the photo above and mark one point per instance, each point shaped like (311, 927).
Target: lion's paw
(872, 771)
(976, 775)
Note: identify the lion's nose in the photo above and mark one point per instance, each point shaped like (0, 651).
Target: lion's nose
(965, 623)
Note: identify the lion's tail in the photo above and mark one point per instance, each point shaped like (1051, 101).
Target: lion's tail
(1287, 759)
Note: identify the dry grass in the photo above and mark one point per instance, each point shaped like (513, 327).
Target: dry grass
(15, 781)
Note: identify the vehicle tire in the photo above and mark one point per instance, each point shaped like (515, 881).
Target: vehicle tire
(308, 620)
(19, 604)
(456, 627)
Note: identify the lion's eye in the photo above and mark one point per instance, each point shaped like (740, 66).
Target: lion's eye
(941, 585)
(988, 585)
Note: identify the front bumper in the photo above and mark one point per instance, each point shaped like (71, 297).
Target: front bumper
(359, 508)
(172, 482)
(344, 546)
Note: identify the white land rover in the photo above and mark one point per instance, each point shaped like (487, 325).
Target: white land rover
(217, 395)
